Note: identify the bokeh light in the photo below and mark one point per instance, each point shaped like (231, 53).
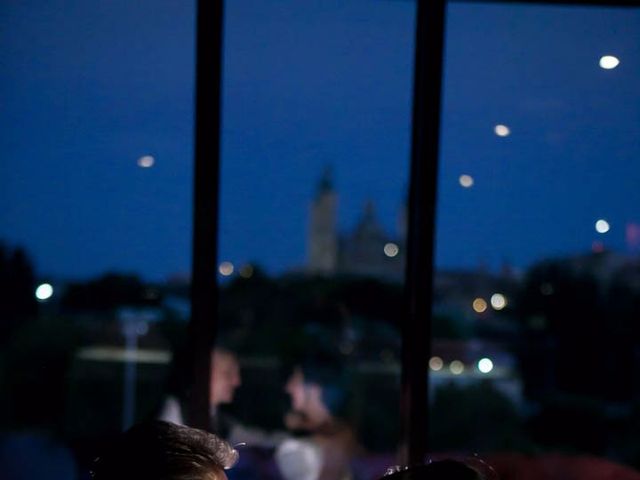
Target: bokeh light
(436, 364)
(502, 130)
(609, 62)
(226, 268)
(44, 292)
(466, 181)
(485, 365)
(246, 271)
(391, 249)
(146, 161)
(602, 226)
(479, 305)
(498, 301)
(456, 367)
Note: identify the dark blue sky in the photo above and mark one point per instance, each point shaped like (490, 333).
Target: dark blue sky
(88, 87)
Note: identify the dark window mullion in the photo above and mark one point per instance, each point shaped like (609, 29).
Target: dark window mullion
(204, 288)
(416, 327)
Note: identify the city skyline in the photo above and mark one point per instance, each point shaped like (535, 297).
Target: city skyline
(306, 85)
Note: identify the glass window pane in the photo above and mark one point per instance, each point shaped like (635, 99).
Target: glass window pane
(535, 340)
(315, 142)
(95, 222)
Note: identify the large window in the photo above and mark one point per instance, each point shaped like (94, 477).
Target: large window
(534, 347)
(535, 344)
(95, 222)
(315, 157)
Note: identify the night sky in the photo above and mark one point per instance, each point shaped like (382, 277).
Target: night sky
(89, 87)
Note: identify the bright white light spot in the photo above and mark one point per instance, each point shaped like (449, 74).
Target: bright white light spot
(456, 367)
(479, 305)
(498, 301)
(146, 162)
(502, 130)
(466, 181)
(44, 292)
(436, 364)
(609, 62)
(485, 365)
(246, 271)
(226, 268)
(391, 249)
(602, 226)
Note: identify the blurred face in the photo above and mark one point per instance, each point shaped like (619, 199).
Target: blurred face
(306, 399)
(296, 390)
(225, 377)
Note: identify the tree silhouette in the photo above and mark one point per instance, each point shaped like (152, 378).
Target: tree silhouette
(107, 293)
(17, 285)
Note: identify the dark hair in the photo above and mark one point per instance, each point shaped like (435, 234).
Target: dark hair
(164, 451)
(440, 470)
(327, 372)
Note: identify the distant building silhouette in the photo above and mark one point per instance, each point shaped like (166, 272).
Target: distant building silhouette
(322, 244)
(367, 250)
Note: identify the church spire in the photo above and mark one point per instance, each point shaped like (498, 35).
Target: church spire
(322, 240)
(325, 185)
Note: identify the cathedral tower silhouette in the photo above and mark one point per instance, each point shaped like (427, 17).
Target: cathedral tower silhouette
(322, 240)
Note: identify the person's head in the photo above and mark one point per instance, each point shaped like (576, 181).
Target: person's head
(225, 376)
(440, 470)
(165, 451)
(319, 389)
(307, 399)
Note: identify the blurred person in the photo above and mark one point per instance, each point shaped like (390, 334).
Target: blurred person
(439, 470)
(310, 404)
(225, 379)
(322, 444)
(160, 450)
